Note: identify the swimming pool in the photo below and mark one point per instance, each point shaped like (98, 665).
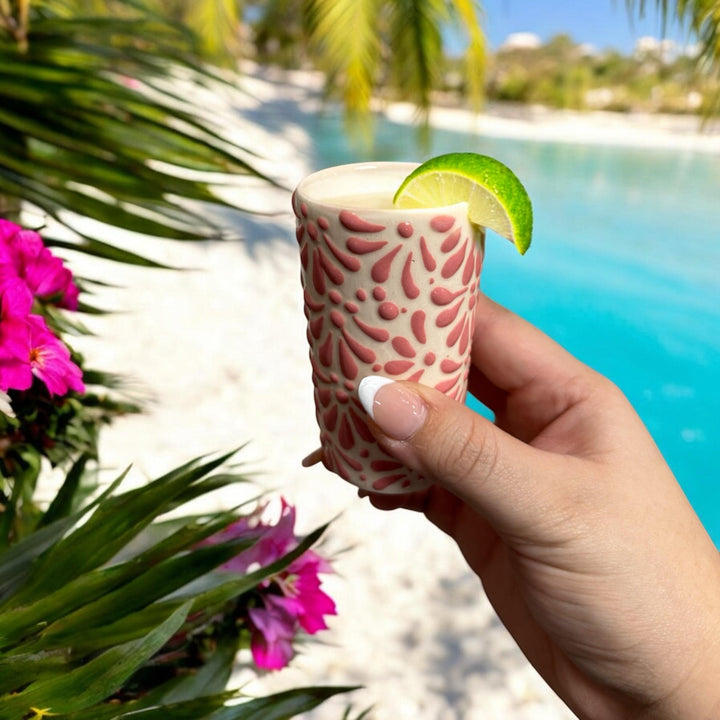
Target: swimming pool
(624, 272)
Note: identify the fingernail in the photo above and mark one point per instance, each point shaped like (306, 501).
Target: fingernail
(397, 411)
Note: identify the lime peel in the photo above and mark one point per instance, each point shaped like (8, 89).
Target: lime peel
(495, 196)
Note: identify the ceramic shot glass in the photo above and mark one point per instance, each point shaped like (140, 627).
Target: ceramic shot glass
(388, 292)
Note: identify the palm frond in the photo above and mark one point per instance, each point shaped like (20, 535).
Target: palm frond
(469, 13)
(702, 18)
(345, 37)
(216, 23)
(96, 129)
(417, 46)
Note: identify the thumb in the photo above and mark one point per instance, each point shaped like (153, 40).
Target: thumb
(515, 486)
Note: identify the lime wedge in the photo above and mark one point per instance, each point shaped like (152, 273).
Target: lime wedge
(496, 198)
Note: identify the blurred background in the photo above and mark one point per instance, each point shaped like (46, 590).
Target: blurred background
(169, 133)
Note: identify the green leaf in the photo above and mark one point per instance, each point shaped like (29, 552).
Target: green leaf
(214, 590)
(115, 591)
(130, 627)
(345, 36)
(193, 709)
(65, 105)
(97, 248)
(20, 670)
(16, 561)
(113, 524)
(279, 706)
(416, 38)
(96, 680)
(63, 502)
(152, 585)
(210, 678)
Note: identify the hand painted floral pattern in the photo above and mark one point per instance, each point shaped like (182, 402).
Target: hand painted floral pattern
(395, 298)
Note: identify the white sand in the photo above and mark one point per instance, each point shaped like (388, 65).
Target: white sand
(223, 350)
(535, 122)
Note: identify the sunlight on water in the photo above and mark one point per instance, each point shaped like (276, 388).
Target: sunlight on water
(623, 271)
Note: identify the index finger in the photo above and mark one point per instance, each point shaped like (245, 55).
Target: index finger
(511, 353)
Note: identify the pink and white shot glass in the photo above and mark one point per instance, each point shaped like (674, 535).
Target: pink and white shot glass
(388, 292)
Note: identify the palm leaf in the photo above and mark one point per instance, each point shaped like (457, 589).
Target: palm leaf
(417, 46)
(216, 23)
(469, 12)
(345, 36)
(702, 17)
(84, 144)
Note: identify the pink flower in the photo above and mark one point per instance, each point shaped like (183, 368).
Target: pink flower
(15, 304)
(303, 585)
(272, 541)
(50, 359)
(292, 599)
(272, 630)
(45, 275)
(27, 345)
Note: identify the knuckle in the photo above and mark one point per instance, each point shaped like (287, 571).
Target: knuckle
(470, 451)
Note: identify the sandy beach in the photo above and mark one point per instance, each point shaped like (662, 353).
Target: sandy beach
(535, 122)
(221, 348)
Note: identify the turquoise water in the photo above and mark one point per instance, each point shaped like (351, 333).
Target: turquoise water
(624, 272)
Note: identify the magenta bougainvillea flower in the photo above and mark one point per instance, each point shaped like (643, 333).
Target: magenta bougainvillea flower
(44, 274)
(272, 631)
(288, 602)
(50, 359)
(29, 272)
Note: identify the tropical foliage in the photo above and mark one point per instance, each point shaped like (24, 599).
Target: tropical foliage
(109, 606)
(563, 74)
(52, 407)
(363, 46)
(117, 604)
(120, 607)
(702, 19)
(92, 128)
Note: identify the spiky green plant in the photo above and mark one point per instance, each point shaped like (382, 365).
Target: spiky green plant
(116, 610)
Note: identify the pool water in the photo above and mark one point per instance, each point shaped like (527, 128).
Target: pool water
(624, 272)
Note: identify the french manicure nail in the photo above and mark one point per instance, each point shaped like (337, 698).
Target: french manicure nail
(397, 411)
(367, 390)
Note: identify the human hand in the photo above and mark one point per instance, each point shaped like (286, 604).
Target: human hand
(584, 542)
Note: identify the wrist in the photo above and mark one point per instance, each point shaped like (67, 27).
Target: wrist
(697, 696)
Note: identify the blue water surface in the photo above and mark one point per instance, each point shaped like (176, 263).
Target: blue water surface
(623, 272)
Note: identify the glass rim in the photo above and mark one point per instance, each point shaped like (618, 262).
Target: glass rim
(388, 176)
